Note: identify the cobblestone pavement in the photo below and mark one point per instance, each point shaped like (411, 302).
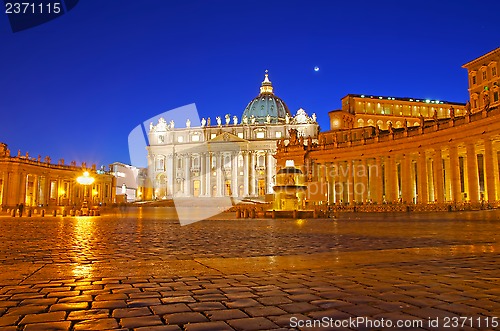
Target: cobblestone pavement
(141, 270)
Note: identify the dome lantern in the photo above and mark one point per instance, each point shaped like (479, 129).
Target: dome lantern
(266, 107)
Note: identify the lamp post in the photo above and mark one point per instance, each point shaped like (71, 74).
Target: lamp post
(85, 180)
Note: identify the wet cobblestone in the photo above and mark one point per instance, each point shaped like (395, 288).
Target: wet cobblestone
(143, 272)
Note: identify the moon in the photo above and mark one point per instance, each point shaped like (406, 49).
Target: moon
(316, 68)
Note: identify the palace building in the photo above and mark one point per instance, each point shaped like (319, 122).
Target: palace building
(414, 151)
(230, 156)
(36, 182)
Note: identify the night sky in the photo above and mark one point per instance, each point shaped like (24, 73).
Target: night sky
(75, 87)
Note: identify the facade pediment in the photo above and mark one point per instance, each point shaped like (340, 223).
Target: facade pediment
(227, 137)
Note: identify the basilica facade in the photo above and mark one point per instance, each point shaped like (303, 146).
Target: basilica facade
(225, 156)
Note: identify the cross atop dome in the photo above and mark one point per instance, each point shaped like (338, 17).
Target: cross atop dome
(267, 86)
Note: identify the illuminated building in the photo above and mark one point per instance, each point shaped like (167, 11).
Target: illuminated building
(36, 182)
(483, 80)
(228, 156)
(130, 183)
(446, 154)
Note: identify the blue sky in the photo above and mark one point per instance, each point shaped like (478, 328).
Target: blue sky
(75, 87)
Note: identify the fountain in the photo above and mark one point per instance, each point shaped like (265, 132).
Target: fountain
(290, 188)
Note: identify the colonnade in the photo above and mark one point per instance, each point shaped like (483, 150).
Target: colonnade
(456, 172)
(48, 187)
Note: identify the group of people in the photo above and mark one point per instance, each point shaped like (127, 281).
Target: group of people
(20, 208)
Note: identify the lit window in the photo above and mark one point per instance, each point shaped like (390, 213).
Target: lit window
(494, 71)
(484, 75)
(240, 135)
(195, 138)
(260, 135)
(213, 135)
(278, 134)
(180, 139)
(473, 80)
(495, 96)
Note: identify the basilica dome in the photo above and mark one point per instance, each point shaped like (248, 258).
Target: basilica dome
(266, 107)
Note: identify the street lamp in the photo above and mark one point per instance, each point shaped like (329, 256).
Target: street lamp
(85, 180)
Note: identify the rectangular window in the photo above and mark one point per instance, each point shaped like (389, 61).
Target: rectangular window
(278, 134)
(260, 135)
(180, 139)
(494, 71)
(473, 80)
(213, 135)
(484, 75)
(195, 138)
(495, 96)
(240, 135)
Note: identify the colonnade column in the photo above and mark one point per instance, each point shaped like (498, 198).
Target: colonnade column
(363, 174)
(391, 177)
(34, 199)
(472, 172)
(438, 175)
(423, 196)
(489, 170)
(340, 182)
(329, 182)
(376, 185)
(350, 181)
(455, 174)
(406, 179)
(234, 174)
(245, 174)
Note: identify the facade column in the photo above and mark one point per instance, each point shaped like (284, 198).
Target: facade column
(269, 172)
(406, 179)
(220, 175)
(455, 174)
(208, 170)
(438, 176)
(472, 173)
(234, 174)
(187, 174)
(253, 177)
(170, 174)
(423, 196)
(489, 171)
(246, 166)
(202, 175)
